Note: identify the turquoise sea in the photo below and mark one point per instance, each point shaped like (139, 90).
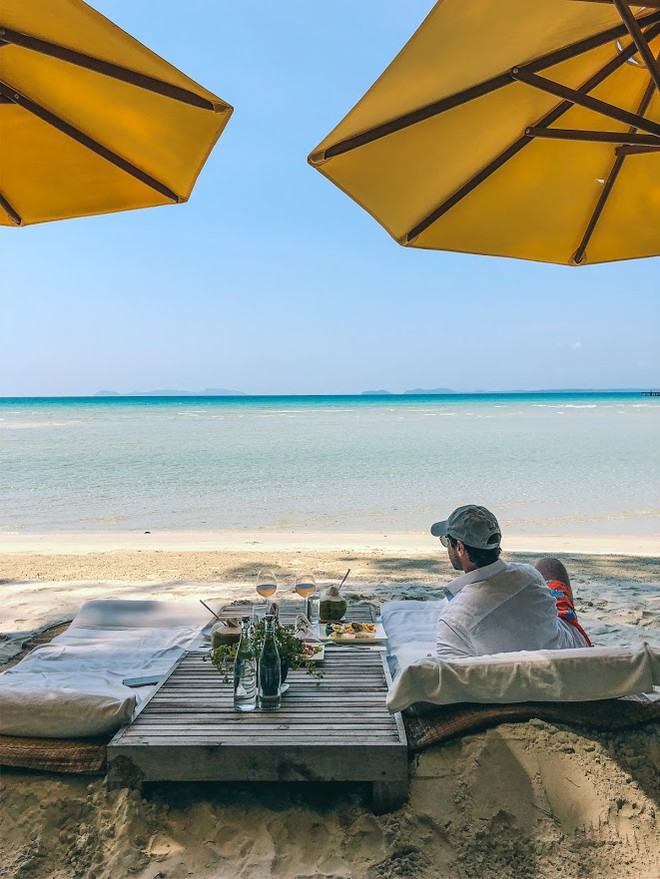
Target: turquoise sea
(545, 463)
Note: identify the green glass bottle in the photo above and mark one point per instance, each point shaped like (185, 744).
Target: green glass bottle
(270, 670)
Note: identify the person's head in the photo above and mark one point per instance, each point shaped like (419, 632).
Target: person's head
(472, 537)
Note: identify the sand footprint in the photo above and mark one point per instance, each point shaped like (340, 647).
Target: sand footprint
(161, 846)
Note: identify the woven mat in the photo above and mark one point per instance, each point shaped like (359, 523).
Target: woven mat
(444, 722)
(73, 756)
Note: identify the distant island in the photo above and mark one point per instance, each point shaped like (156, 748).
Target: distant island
(169, 392)
(572, 391)
(380, 392)
(428, 391)
(418, 391)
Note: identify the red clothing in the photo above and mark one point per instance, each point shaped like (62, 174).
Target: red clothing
(564, 597)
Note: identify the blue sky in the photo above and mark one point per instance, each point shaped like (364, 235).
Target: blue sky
(270, 280)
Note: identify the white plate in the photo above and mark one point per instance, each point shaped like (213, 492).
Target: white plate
(319, 652)
(378, 636)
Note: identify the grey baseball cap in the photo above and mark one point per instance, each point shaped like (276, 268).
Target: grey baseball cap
(475, 526)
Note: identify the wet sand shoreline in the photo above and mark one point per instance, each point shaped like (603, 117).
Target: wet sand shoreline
(256, 541)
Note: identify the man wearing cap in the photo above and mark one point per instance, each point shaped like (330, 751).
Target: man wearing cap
(497, 607)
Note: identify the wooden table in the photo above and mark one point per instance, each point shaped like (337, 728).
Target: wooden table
(333, 729)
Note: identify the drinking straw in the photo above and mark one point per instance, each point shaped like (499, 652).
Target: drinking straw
(344, 580)
(210, 610)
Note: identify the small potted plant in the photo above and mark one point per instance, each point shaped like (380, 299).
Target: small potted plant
(294, 652)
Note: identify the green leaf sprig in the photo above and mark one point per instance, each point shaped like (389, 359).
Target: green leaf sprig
(291, 650)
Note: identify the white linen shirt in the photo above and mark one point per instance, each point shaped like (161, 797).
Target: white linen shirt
(501, 608)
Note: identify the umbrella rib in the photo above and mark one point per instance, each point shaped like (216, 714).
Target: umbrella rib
(649, 4)
(580, 254)
(618, 137)
(476, 91)
(114, 71)
(86, 141)
(13, 215)
(640, 40)
(555, 114)
(635, 150)
(582, 100)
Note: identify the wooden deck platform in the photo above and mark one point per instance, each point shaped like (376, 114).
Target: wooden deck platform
(333, 729)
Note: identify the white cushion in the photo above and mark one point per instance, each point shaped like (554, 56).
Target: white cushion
(30, 707)
(410, 626)
(113, 613)
(74, 687)
(573, 675)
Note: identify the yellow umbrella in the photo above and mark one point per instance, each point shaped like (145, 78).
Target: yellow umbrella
(91, 121)
(523, 128)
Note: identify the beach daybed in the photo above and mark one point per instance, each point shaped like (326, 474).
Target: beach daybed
(79, 685)
(602, 687)
(184, 728)
(571, 675)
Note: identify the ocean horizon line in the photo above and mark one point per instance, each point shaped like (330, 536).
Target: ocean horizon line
(358, 395)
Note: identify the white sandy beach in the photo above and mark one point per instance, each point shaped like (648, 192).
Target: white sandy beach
(259, 542)
(521, 800)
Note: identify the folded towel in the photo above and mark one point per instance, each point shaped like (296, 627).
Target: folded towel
(305, 630)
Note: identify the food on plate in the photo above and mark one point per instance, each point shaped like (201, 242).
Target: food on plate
(350, 630)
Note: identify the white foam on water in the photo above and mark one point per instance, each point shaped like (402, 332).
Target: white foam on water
(35, 425)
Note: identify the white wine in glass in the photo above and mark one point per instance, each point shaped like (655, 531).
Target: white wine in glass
(266, 585)
(305, 586)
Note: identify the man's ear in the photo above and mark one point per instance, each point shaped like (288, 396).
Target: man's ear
(460, 547)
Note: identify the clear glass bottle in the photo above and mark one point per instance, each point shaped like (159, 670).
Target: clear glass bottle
(270, 670)
(312, 609)
(245, 670)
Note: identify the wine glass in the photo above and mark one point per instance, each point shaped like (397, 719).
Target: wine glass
(305, 586)
(266, 586)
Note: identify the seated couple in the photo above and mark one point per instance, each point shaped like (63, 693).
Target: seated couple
(498, 607)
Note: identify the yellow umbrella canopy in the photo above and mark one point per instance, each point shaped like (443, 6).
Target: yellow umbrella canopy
(91, 121)
(521, 128)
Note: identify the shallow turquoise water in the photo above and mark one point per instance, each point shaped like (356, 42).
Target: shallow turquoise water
(545, 463)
